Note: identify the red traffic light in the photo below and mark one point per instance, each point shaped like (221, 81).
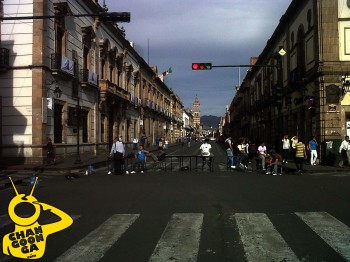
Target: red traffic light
(201, 66)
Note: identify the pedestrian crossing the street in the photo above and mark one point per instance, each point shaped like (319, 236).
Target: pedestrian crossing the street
(182, 235)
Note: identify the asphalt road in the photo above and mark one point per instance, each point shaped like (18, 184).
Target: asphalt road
(193, 216)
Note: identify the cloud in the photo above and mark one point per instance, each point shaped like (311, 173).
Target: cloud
(177, 33)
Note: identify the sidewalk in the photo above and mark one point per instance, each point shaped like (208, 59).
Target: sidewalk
(64, 166)
(290, 167)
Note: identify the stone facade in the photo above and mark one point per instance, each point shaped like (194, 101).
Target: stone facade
(314, 34)
(77, 80)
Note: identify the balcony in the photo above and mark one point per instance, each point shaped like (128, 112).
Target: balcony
(88, 78)
(62, 66)
(111, 89)
(146, 103)
(4, 59)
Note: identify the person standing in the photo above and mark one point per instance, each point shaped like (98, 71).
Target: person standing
(344, 151)
(205, 151)
(143, 140)
(300, 155)
(313, 150)
(229, 152)
(285, 149)
(118, 152)
(262, 155)
(157, 143)
(140, 159)
(51, 154)
(134, 144)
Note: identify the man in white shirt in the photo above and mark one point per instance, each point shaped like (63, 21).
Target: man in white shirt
(118, 152)
(205, 151)
(285, 148)
(262, 155)
(344, 151)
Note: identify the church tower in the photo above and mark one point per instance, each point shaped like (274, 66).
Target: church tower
(196, 112)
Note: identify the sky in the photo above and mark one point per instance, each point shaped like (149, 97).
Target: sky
(174, 34)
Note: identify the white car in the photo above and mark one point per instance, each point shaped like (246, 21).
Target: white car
(212, 138)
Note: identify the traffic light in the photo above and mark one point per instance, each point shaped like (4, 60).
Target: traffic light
(201, 66)
(278, 96)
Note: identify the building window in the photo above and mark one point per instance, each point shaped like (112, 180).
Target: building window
(332, 94)
(61, 9)
(301, 51)
(309, 18)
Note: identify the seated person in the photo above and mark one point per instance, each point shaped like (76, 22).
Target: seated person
(140, 159)
(161, 154)
(275, 161)
(243, 155)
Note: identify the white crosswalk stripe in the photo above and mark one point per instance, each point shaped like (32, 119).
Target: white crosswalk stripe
(261, 241)
(88, 249)
(180, 240)
(331, 230)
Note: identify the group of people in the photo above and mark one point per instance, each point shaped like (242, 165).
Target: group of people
(117, 153)
(269, 161)
(237, 153)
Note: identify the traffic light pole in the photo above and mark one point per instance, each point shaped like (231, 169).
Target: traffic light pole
(110, 17)
(245, 66)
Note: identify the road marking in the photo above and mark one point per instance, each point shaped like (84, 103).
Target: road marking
(180, 239)
(261, 241)
(96, 243)
(331, 230)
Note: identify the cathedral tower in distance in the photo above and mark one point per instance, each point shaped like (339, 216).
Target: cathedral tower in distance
(196, 112)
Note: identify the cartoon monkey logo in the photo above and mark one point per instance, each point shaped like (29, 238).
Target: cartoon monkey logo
(28, 241)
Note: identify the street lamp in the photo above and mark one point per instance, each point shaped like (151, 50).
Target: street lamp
(345, 84)
(58, 92)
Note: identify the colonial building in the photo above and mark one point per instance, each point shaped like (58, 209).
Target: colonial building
(299, 85)
(76, 79)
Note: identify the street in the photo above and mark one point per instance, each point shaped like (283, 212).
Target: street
(193, 216)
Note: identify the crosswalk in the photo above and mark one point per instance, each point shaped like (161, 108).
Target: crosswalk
(182, 236)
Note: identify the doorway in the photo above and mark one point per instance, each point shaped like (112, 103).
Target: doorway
(58, 127)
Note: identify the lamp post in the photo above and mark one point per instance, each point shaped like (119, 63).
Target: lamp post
(78, 114)
(279, 95)
(345, 84)
(58, 92)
